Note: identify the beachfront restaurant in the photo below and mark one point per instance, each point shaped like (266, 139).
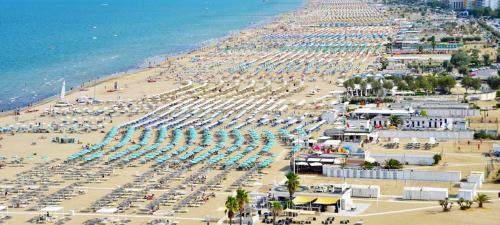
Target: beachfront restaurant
(319, 198)
(350, 135)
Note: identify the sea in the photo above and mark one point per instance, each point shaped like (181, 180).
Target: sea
(43, 42)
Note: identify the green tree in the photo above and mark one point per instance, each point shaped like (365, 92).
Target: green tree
(363, 86)
(384, 62)
(474, 58)
(367, 165)
(376, 87)
(447, 82)
(387, 85)
(481, 199)
(471, 83)
(395, 120)
(231, 208)
(433, 81)
(410, 81)
(433, 42)
(420, 48)
(242, 198)
(423, 113)
(494, 82)
(292, 183)
(460, 59)
(437, 158)
(349, 85)
(276, 209)
(393, 164)
(446, 204)
(496, 178)
(464, 204)
(486, 59)
(424, 84)
(388, 46)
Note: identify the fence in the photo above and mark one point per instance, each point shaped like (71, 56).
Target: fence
(405, 158)
(426, 134)
(333, 171)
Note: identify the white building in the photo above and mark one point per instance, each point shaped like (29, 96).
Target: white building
(425, 193)
(493, 4)
(457, 4)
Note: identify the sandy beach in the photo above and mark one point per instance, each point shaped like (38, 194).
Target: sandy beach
(236, 89)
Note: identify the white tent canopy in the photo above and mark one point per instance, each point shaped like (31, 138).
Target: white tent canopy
(3, 207)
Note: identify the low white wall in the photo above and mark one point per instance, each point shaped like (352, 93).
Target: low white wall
(405, 158)
(466, 194)
(425, 193)
(483, 96)
(426, 134)
(365, 191)
(332, 171)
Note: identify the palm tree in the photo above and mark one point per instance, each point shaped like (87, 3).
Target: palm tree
(387, 85)
(482, 198)
(464, 204)
(395, 120)
(231, 207)
(389, 45)
(363, 86)
(292, 183)
(242, 198)
(420, 49)
(446, 204)
(276, 209)
(433, 42)
(376, 87)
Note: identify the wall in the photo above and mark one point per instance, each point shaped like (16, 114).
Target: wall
(460, 113)
(483, 97)
(426, 134)
(331, 171)
(405, 158)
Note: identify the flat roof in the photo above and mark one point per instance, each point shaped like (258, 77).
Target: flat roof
(381, 111)
(420, 57)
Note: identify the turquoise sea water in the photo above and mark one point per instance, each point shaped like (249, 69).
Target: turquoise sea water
(43, 42)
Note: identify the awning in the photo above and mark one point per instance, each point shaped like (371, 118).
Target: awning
(316, 164)
(299, 200)
(326, 200)
(302, 164)
(313, 159)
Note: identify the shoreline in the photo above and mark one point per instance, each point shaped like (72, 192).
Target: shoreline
(147, 64)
